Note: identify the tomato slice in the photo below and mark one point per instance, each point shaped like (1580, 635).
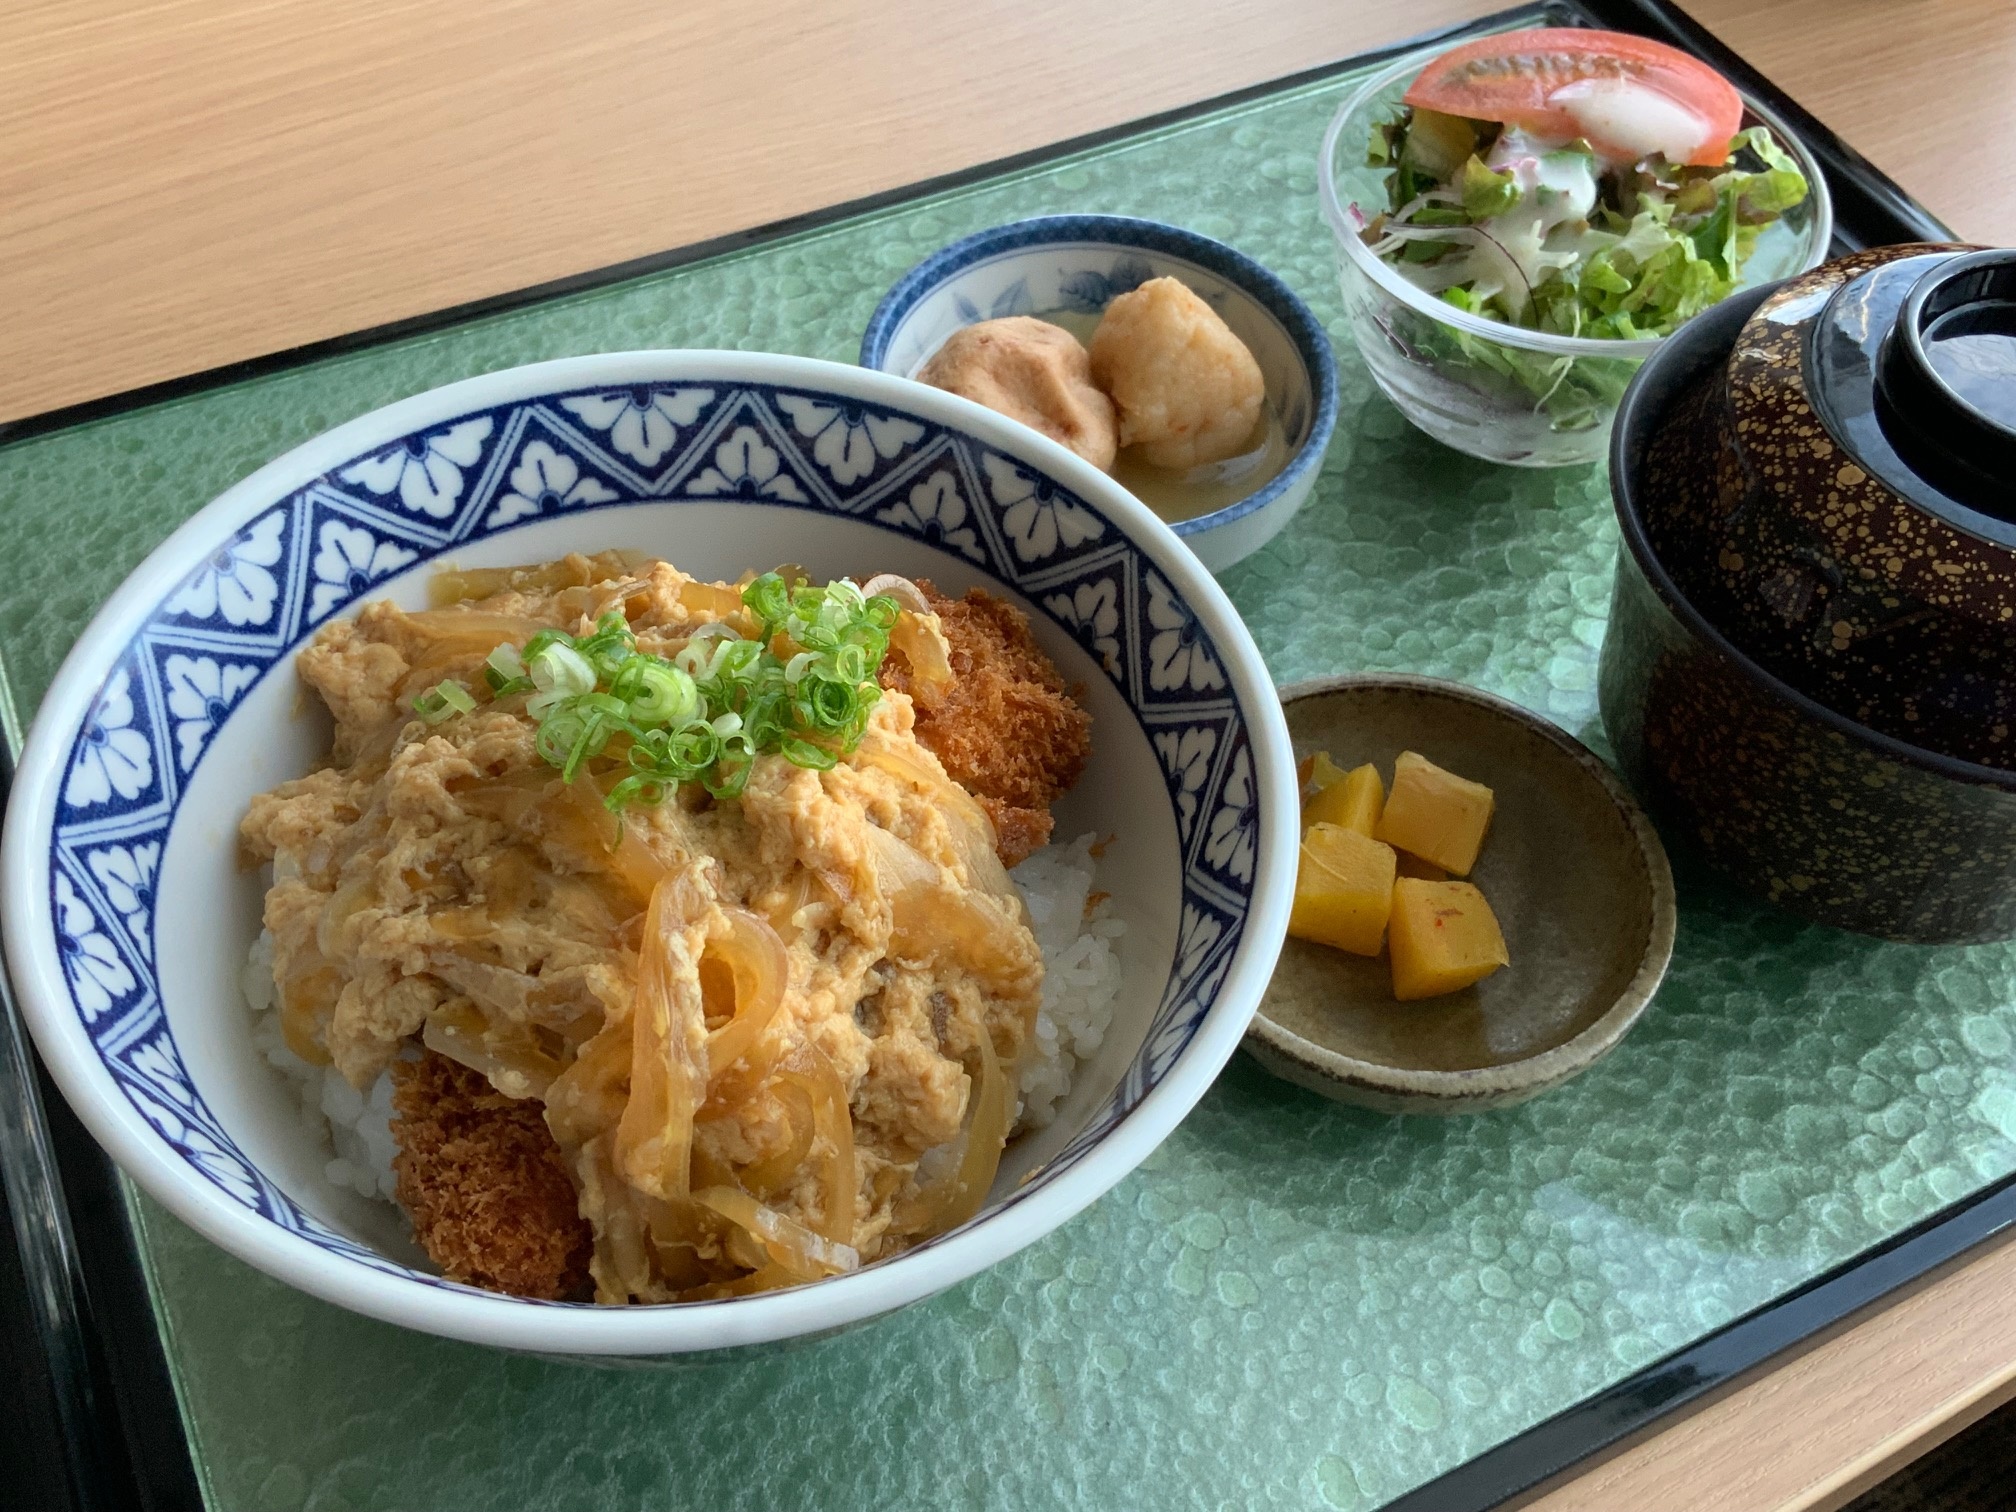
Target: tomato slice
(1628, 96)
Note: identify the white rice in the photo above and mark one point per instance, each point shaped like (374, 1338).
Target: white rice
(1081, 977)
(357, 1128)
(1081, 972)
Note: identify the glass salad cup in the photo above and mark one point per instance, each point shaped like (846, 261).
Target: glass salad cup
(1493, 390)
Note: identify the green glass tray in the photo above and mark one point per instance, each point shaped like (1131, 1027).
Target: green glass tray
(1291, 1304)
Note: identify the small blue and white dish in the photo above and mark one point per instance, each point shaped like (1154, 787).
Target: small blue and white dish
(1076, 264)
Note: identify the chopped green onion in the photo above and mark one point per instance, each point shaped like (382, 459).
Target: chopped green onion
(826, 703)
(542, 640)
(657, 692)
(558, 672)
(443, 700)
(769, 600)
(696, 746)
(850, 664)
(805, 754)
(705, 715)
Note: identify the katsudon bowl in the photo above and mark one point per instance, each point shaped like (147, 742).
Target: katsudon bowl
(128, 915)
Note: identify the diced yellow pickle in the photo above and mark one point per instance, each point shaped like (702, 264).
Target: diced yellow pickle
(1434, 814)
(1343, 890)
(1318, 772)
(1443, 937)
(1353, 802)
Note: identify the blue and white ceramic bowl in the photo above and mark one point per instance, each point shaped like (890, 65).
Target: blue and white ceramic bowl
(128, 919)
(1078, 263)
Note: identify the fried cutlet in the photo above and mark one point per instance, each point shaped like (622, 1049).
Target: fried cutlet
(1007, 729)
(480, 1173)
(483, 1180)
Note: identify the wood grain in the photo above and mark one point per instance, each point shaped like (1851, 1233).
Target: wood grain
(191, 182)
(1818, 1430)
(187, 183)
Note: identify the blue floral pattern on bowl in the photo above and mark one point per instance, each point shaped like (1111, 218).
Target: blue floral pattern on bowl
(1088, 292)
(332, 542)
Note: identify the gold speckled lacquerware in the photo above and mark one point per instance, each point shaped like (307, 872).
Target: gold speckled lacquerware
(1802, 803)
(1817, 567)
(1800, 808)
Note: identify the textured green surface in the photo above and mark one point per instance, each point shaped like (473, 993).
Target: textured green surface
(1292, 1304)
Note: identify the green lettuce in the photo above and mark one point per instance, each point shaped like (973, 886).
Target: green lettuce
(1547, 237)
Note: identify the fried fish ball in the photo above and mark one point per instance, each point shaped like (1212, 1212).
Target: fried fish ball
(1187, 389)
(1032, 371)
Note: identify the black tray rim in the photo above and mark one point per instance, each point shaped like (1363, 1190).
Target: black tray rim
(131, 1393)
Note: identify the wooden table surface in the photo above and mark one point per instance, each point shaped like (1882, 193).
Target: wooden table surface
(186, 183)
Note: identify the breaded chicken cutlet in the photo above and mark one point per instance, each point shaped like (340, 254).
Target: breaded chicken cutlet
(480, 1173)
(485, 1185)
(1007, 729)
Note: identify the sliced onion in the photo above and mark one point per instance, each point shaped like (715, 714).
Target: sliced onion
(801, 891)
(716, 600)
(767, 1176)
(668, 1050)
(510, 882)
(739, 1246)
(894, 585)
(455, 585)
(958, 1194)
(931, 917)
(808, 1069)
(587, 1099)
(769, 1278)
(509, 994)
(680, 1267)
(984, 1141)
(789, 1244)
(582, 903)
(459, 584)
(921, 639)
(972, 830)
(677, 1229)
(470, 630)
(898, 865)
(918, 633)
(507, 1055)
(622, 1261)
(509, 798)
(575, 816)
(759, 968)
(612, 596)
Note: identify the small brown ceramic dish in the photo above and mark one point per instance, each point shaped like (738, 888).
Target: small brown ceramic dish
(1834, 494)
(1833, 820)
(1571, 867)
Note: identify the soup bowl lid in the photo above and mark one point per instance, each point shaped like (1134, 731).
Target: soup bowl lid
(1874, 400)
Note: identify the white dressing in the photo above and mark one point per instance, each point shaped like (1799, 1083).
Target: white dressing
(1632, 119)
